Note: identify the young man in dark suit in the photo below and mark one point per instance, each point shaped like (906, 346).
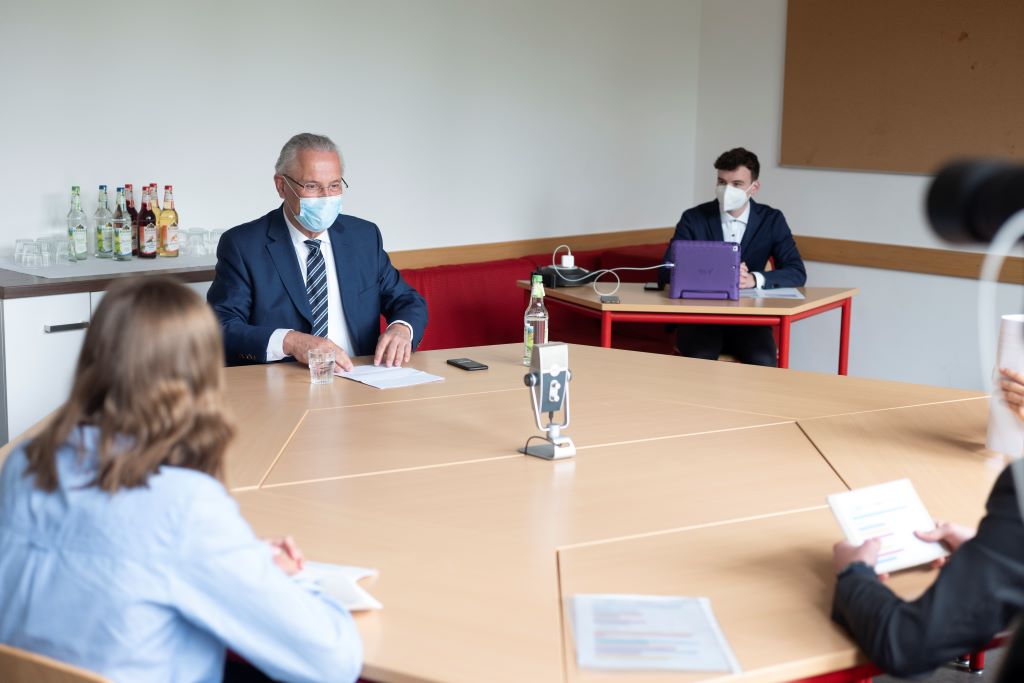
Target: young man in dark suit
(305, 276)
(762, 233)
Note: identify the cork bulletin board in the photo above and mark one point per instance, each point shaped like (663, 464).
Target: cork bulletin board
(902, 85)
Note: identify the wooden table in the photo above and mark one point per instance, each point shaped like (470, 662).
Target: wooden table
(425, 484)
(640, 306)
(479, 547)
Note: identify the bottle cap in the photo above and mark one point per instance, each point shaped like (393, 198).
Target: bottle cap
(168, 187)
(103, 187)
(75, 188)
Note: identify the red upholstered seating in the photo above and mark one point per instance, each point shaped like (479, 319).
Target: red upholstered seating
(476, 304)
(472, 304)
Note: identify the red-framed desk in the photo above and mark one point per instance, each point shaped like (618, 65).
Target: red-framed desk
(640, 306)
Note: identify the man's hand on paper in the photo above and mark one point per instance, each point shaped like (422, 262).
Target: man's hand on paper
(287, 555)
(948, 534)
(394, 347)
(1012, 385)
(747, 280)
(845, 553)
(298, 345)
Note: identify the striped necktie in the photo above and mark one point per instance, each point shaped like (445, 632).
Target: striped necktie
(316, 287)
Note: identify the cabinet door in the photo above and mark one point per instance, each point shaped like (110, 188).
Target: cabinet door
(42, 337)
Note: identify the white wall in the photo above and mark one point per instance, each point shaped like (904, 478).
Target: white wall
(461, 121)
(908, 327)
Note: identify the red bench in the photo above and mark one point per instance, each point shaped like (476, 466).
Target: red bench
(474, 304)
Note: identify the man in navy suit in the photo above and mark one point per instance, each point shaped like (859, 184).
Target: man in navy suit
(304, 276)
(761, 232)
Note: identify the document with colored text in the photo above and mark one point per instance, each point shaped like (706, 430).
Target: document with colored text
(649, 632)
(890, 512)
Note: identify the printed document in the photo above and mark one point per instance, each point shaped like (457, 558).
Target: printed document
(778, 293)
(890, 512)
(340, 582)
(388, 378)
(649, 632)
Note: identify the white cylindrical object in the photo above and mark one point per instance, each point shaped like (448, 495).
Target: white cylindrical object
(1005, 428)
(568, 261)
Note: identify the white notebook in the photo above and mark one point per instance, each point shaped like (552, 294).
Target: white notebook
(340, 582)
(891, 512)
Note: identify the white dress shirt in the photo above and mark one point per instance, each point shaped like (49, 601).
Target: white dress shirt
(733, 229)
(337, 327)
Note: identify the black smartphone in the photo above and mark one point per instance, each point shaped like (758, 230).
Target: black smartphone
(653, 286)
(610, 299)
(466, 364)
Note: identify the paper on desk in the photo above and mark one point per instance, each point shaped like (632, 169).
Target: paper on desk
(649, 632)
(339, 581)
(891, 512)
(388, 378)
(1005, 429)
(777, 293)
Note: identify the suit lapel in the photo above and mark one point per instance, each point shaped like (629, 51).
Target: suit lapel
(279, 244)
(753, 223)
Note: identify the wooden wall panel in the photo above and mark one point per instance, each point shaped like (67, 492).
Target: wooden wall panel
(902, 85)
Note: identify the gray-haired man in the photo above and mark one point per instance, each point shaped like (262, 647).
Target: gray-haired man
(305, 276)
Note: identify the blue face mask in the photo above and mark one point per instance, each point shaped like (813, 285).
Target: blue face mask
(318, 213)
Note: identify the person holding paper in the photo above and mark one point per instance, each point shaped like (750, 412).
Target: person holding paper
(121, 551)
(762, 233)
(1012, 384)
(978, 593)
(306, 276)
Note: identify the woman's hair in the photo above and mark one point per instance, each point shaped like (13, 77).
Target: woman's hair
(150, 378)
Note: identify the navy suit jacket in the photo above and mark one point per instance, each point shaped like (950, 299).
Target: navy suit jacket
(258, 287)
(767, 234)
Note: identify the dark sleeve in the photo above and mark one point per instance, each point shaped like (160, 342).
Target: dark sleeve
(230, 295)
(399, 301)
(976, 595)
(789, 268)
(684, 231)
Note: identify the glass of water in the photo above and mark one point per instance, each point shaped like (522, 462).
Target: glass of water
(321, 366)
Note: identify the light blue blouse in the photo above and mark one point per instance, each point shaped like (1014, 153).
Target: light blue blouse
(151, 583)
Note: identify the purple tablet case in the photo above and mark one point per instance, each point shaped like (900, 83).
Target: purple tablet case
(705, 270)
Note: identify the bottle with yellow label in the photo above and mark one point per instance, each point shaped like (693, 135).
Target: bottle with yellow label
(535, 320)
(167, 225)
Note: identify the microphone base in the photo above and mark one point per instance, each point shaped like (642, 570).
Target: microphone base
(558, 448)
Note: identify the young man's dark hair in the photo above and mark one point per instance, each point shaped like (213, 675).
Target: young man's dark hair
(736, 157)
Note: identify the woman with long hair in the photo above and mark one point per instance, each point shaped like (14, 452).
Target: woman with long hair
(121, 551)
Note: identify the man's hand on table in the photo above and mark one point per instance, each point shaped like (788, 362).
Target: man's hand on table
(394, 346)
(298, 345)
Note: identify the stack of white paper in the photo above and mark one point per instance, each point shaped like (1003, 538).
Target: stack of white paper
(388, 378)
(1005, 429)
(339, 581)
(890, 512)
(777, 293)
(649, 632)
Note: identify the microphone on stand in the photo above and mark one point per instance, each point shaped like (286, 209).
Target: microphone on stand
(548, 382)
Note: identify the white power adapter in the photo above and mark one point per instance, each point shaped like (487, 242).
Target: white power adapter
(568, 261)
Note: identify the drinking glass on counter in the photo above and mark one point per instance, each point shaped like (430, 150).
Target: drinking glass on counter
(321, 366)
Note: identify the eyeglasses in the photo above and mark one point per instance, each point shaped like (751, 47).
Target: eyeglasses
(316, 189)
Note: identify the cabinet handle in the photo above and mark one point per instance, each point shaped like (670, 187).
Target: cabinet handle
(68, 327)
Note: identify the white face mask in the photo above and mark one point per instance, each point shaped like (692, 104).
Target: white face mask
(730, 197)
